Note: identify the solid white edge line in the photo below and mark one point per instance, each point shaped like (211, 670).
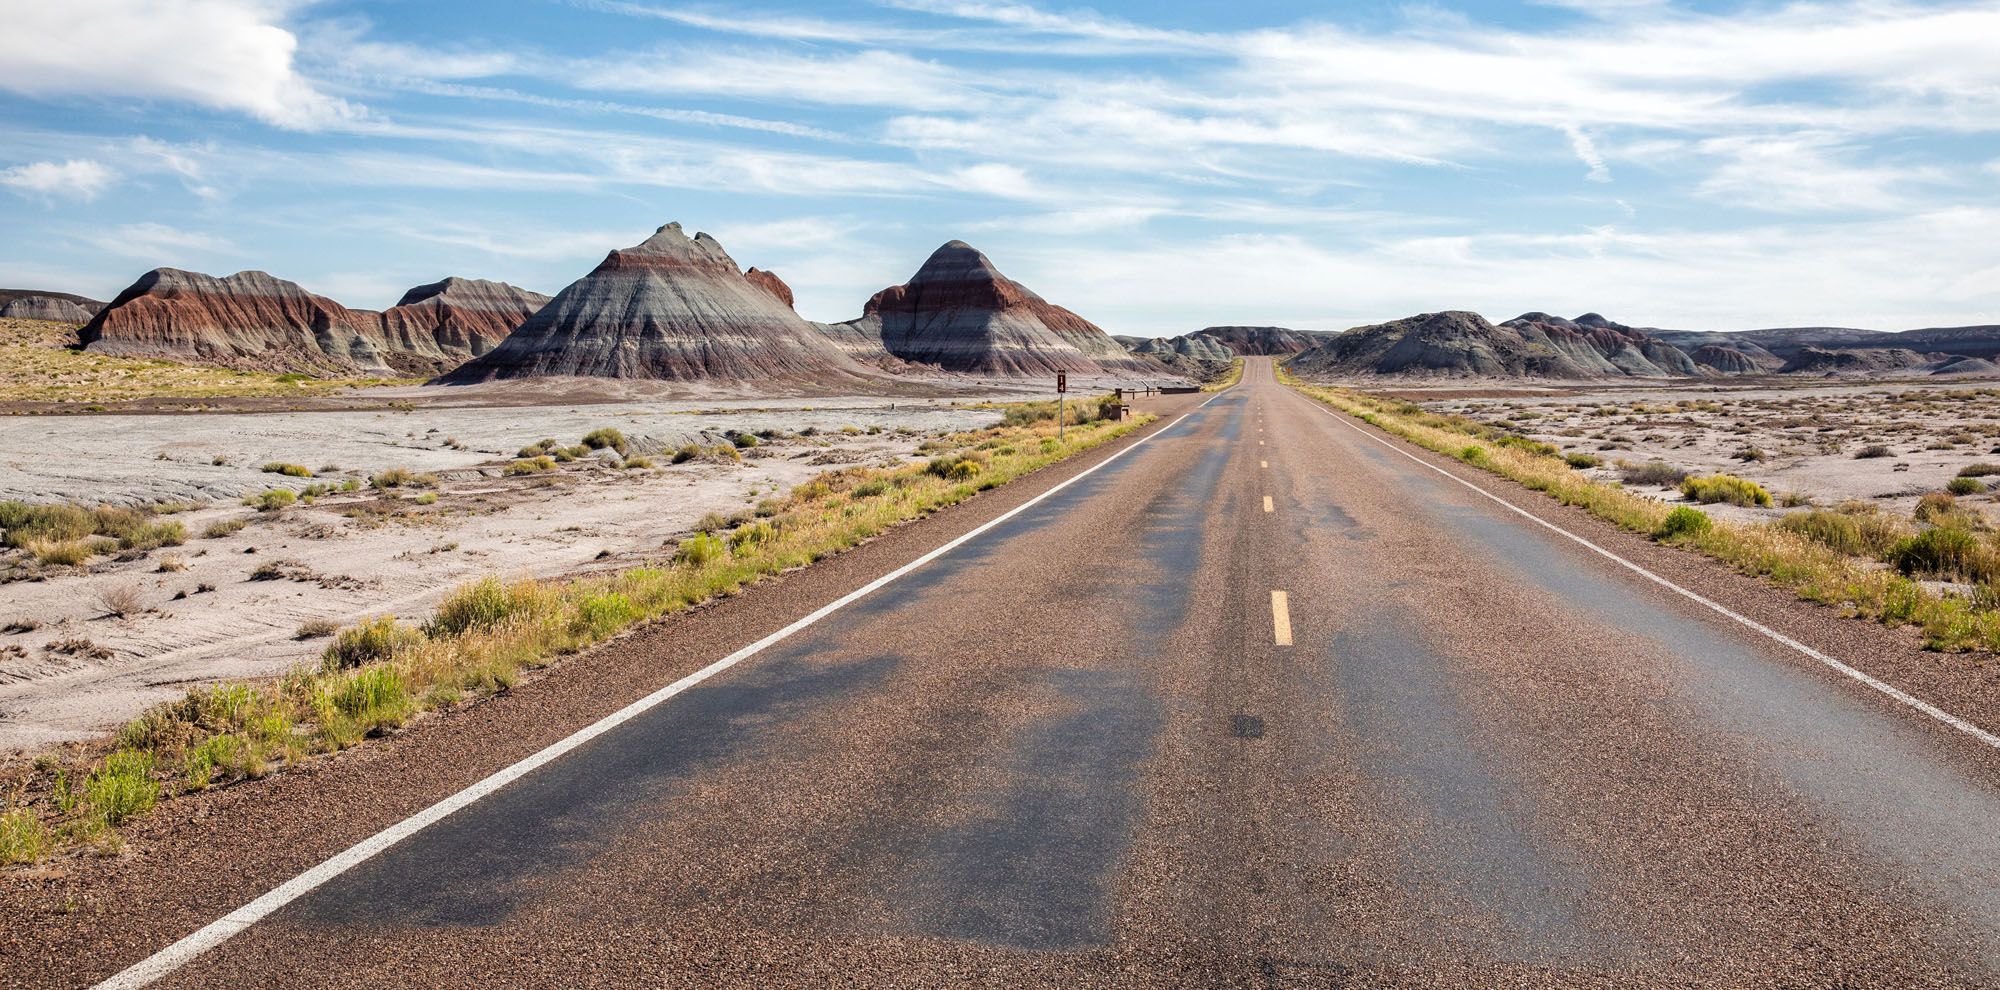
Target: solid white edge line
(1863, 677)
(209, 936)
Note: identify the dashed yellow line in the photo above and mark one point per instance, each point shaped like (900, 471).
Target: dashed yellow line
(1267, 503)
(1263, 464)
(1281, 618)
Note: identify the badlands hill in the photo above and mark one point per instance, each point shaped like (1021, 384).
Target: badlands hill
(9, 297)
(1464, 344)
(1260, 341)
(670, 308)
(959, 314)
(1193, 355)
(53, 309)
(253, 321)
(1825, 361)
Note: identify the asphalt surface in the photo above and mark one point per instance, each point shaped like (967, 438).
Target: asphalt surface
(1079, 751)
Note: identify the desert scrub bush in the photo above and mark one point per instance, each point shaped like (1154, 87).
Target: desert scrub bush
(1965, 486)
(1582, 461)
(61, 553)
(1683, 522)
(687, 453)
(23, 838)
(1979, 470)
(224, 527)
(152, 535)
(120, 601)
(1858, 533)
(288, 470)
(1945, 552)
(637, 463)
(537, 464)
(744, 441)
(483, 604)
(1725, 488)
(379, 638)
(871, 488)
(1658, 473)
(601, 614)
(272, 499)
(606, 437)
(1873, 450)
(397, 477)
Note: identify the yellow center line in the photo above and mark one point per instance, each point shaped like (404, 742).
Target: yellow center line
(1267, 503)
(1263, 464)
(1281, 618)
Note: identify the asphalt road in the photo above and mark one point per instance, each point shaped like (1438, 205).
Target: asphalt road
(1264, 702)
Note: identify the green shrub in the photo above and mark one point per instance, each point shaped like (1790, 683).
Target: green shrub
(686, 454)
(871, 488)
(1978, 470)
(374, 697)
(272, 499)
(744, 441)
(605, 437)
(1582, 461)
(122, 786)
(1941, 509)
(1944, 552)
(1684, 521)
(1965, 486)
(377, 639)
(1725, 488)
(604, 613)
(23, 839)
(153, 535)
(699, 549)
(1472, 454)
(288, 470)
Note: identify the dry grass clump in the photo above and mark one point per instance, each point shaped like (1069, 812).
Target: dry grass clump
(1873, 450)
(606, 438)
(1856, 530)
(1658, 473)
(224, 527)
(121, 601)
(376, 675)
(272, 499)
(288, 470)
(67, 535)
(316, 628)
(402, 478)
(538, 464)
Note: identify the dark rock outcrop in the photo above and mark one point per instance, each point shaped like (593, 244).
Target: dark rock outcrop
(772, 284)
(49, 308)
(1261, 341)
(958, 313)
(1832, 361)
(253, 321)
(671, 308)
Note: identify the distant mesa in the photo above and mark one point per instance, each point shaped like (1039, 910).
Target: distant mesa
(1261, 341)
(959, 314)
(1457, 343)
(669, 308)
(253, 321)
(50, 308)
(1193, 355)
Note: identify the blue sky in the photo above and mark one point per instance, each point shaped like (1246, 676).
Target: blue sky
(1155, 167)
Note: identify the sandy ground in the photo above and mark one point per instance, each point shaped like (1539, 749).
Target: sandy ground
(349, 556)
(1796, 440)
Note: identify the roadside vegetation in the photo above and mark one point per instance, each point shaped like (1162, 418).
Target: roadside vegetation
(1229, 378)
(375, 676)
(1938, 570)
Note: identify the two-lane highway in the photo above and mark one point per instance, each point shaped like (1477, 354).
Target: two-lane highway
(1265, 701)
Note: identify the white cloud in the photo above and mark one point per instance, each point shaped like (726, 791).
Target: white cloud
(157, 243)
(1808, 173)
(866, 78)
(78, 178)
(1587, 153)
(225, 54)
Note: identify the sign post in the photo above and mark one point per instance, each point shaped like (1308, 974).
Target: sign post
(1062, 385)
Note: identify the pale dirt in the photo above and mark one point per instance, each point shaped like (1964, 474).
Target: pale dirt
(591, 515)
(1809, 435)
